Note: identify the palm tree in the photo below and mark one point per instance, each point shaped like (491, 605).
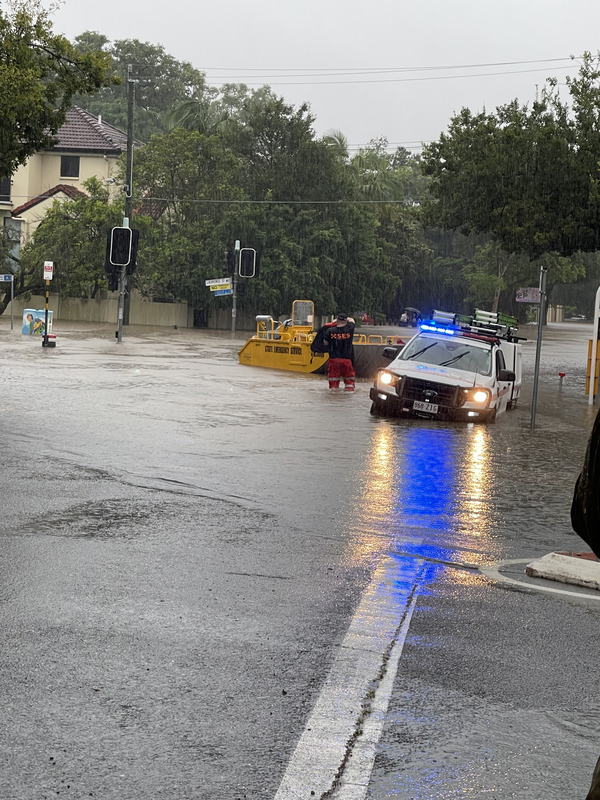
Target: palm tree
(204, 115)
(338, 142)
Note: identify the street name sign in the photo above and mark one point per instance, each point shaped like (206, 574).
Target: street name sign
(223, 291)
(217, 281)
(219, 286)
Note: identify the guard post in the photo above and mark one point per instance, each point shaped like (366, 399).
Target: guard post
(592, 371)
(48, 271)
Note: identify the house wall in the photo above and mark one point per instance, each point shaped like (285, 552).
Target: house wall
(42, 172)
(32, 217)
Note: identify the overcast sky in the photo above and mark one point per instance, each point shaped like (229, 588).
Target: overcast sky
(289, 44)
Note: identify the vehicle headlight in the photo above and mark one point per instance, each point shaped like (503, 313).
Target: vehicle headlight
(479, 396)
(388, 378)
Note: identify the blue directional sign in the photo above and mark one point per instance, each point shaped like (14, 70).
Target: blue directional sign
(220, 292)
(7, 278)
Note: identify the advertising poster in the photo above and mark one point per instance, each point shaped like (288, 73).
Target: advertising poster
(34, 322)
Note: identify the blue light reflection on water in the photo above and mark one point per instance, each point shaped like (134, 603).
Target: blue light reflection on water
(427, 493)
(429, 489)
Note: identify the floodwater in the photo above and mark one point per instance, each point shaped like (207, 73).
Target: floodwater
(186, 541)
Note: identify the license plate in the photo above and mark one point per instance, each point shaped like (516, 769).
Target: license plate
(428, 408)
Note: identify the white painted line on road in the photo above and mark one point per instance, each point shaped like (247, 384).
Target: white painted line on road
(344, 705)
(494, 573)
(355, 778)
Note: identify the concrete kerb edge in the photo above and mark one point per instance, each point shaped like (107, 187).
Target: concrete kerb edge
(493, 572)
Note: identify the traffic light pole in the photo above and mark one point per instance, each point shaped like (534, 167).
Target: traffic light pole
(236, 269)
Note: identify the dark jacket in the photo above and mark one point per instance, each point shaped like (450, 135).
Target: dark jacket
(340, 340)
(585, 508)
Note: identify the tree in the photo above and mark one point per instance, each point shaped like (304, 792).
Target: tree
(40, 72)
(338, 142)
(73, 235)
(162, 83)
(527, 176)
(203, 115)
(191, 181)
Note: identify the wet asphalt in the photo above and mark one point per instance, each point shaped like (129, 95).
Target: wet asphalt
(186, 541)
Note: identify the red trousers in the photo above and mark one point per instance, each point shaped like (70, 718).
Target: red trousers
(341, 368)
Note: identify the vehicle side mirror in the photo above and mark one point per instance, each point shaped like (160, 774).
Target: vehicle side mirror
(390, 353)
(507, 375)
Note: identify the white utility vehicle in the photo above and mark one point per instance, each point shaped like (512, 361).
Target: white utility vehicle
(455, 368)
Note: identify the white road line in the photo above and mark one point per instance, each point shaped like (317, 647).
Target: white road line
(357, 688)
(355, 779)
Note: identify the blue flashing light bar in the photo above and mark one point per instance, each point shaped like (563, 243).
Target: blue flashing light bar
(431, 327)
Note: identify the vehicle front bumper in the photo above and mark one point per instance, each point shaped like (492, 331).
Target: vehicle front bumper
(393, 406)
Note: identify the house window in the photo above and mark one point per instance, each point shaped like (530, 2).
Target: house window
(69, 166)
(5, 190)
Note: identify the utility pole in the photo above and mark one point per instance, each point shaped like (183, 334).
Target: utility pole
(124, 297)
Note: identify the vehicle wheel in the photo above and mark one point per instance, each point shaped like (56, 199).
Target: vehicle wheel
(376, 410)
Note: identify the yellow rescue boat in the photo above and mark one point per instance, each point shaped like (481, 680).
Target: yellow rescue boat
(286, 345)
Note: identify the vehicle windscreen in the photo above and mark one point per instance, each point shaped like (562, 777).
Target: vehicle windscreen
(448, 352)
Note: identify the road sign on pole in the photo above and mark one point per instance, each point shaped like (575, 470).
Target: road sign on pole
(217, 281)
(529, 295)
(48, 267)
(221, 292)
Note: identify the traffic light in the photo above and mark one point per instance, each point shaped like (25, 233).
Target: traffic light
(113, 273)
(120, 246)
(247, 262)
(121, 251)
(229, 262)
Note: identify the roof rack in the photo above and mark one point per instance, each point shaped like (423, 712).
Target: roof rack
(483, 323)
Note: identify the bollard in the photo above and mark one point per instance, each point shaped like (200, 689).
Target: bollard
(561, 375)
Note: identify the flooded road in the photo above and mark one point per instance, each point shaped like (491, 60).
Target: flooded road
(188, 543)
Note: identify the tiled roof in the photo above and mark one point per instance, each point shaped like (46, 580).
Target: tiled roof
(84, 132)
(150, 208)
(70, 191)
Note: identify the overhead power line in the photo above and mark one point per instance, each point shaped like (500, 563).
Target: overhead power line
(402, 74)
(215, 81)
(285, 72)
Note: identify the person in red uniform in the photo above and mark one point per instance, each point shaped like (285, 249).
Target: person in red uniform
(339, 337)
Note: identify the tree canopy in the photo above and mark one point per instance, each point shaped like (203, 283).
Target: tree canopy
(528, 176)
(40, 73)
(161, 83)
